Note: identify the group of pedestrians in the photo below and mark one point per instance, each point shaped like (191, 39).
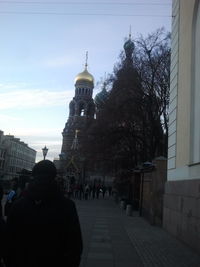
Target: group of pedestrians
(88, 191)
(42, 226)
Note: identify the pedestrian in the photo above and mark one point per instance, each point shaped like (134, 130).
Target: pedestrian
(81, 191)
(42, 228)
(104, 190)
(110, 190)
(86, 191)
(1, 197)
(93, 191)
(76, 190)
(2, 241)
(90, 190)
(98, 187)
(2, 228)
(11, 197)
(70, 191)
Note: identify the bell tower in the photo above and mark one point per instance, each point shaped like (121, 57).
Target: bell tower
(81, 115)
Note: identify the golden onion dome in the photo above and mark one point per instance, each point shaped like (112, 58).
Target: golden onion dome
(84, 76)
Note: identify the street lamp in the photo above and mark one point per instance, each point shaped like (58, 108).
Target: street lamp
(44, 151)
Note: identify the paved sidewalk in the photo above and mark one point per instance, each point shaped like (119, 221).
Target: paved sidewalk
(112, 239)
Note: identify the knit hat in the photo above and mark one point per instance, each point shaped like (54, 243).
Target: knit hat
(44, 169)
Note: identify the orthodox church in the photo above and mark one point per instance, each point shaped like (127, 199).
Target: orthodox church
(83, 110)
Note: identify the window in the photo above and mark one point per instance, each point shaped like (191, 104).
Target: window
(81, 109)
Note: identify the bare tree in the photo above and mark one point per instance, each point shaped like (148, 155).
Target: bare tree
(152, 59)
(132, 124)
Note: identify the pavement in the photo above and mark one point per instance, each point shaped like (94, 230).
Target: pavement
(113, 239)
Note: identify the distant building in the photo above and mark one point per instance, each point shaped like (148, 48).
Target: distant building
(182, 190)
(15, 156)
(2, 155)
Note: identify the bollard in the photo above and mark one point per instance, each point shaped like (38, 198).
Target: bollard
(116, 198)
(122, 204)
(129, 210)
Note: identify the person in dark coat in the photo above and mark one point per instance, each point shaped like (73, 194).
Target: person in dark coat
(2, 228)
(2, 241)
(43, 227)
(1, 197)
(11, 197)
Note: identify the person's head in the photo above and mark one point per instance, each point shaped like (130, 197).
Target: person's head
(42, 185)
(14, 183)
(44, 171)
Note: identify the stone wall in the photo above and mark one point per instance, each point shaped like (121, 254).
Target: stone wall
(182, 211)
(153, 192)
(147, 196)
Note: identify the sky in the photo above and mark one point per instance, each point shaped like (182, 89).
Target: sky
(42, 49)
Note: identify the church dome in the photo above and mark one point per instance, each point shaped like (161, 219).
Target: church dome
(84, 76)
(101, 98)
(129, 47)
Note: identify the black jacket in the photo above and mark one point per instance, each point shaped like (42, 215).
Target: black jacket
(1, 196)
(2, 240)
(43, 230)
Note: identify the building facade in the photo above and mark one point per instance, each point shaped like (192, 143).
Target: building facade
(15, 156)
(182, 190)
(2, 155)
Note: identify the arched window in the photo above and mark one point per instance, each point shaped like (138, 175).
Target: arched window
(81, 109)
(195, 114)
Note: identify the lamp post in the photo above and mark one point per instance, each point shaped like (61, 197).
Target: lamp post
(44, 151)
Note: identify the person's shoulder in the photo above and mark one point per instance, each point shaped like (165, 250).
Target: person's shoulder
(67, 201)
(18, 208)
(66, 206)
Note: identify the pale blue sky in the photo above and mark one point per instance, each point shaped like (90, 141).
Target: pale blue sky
(40, 55)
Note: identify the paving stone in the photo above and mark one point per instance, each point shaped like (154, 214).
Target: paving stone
(129, 263)
(101, 238)
(100, 245)
(99, 263)
(101, 232)
(100, 256)
(99, 227)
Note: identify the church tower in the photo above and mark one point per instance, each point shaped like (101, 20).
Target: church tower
(81, 115)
